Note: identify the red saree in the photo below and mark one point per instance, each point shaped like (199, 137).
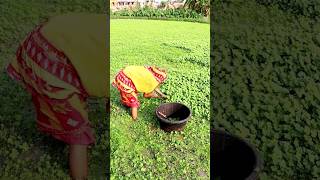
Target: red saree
(57, 92)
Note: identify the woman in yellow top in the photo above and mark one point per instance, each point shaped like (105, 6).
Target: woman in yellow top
(61, 63)
(134, 79)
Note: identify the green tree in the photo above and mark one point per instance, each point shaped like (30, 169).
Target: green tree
(200, 6)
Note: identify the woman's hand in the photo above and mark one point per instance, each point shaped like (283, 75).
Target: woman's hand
(157, 90)
(151, 95)
(155, 94)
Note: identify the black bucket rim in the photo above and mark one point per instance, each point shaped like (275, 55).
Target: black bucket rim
(259, 163)
(172, 122)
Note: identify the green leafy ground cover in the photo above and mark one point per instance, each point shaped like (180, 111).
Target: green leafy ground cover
(24, 152)
(309, 8)
(266, 84)
(140, 150)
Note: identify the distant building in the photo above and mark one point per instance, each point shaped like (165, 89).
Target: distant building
(116, 5)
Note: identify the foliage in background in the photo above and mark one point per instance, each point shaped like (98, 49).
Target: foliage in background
(25, 153)
(160, 13)
(266, 85)
(163, 19)
(200, 6)
(140, 149)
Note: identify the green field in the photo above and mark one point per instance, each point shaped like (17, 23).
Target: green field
(141, 150)
(266, 83)
(24, 152)
(265, 89)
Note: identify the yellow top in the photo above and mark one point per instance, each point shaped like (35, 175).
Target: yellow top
(83, 38)
(142, 78)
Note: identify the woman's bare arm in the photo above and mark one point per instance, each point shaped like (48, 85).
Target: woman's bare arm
(158, 91)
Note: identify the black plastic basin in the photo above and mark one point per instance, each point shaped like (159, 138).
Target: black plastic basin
(233, 158)
(180, 112)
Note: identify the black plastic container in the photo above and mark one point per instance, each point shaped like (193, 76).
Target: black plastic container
(173, 110)
(232, 158)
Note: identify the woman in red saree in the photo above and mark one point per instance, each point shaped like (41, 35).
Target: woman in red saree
(139, 79)
(61, 63)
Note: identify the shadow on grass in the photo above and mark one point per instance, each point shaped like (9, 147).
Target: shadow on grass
(17, 116)
(19, 119)
(116, 101)
(146, 110)
(180, 47)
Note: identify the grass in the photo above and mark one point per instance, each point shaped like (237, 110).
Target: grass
(24, 152)
(141, 150)
(266, 85)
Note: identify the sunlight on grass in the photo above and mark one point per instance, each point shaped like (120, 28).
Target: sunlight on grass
(141, 149)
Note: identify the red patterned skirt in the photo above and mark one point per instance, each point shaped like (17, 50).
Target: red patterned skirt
(57, 92)
(128, 92)
(127, 89)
